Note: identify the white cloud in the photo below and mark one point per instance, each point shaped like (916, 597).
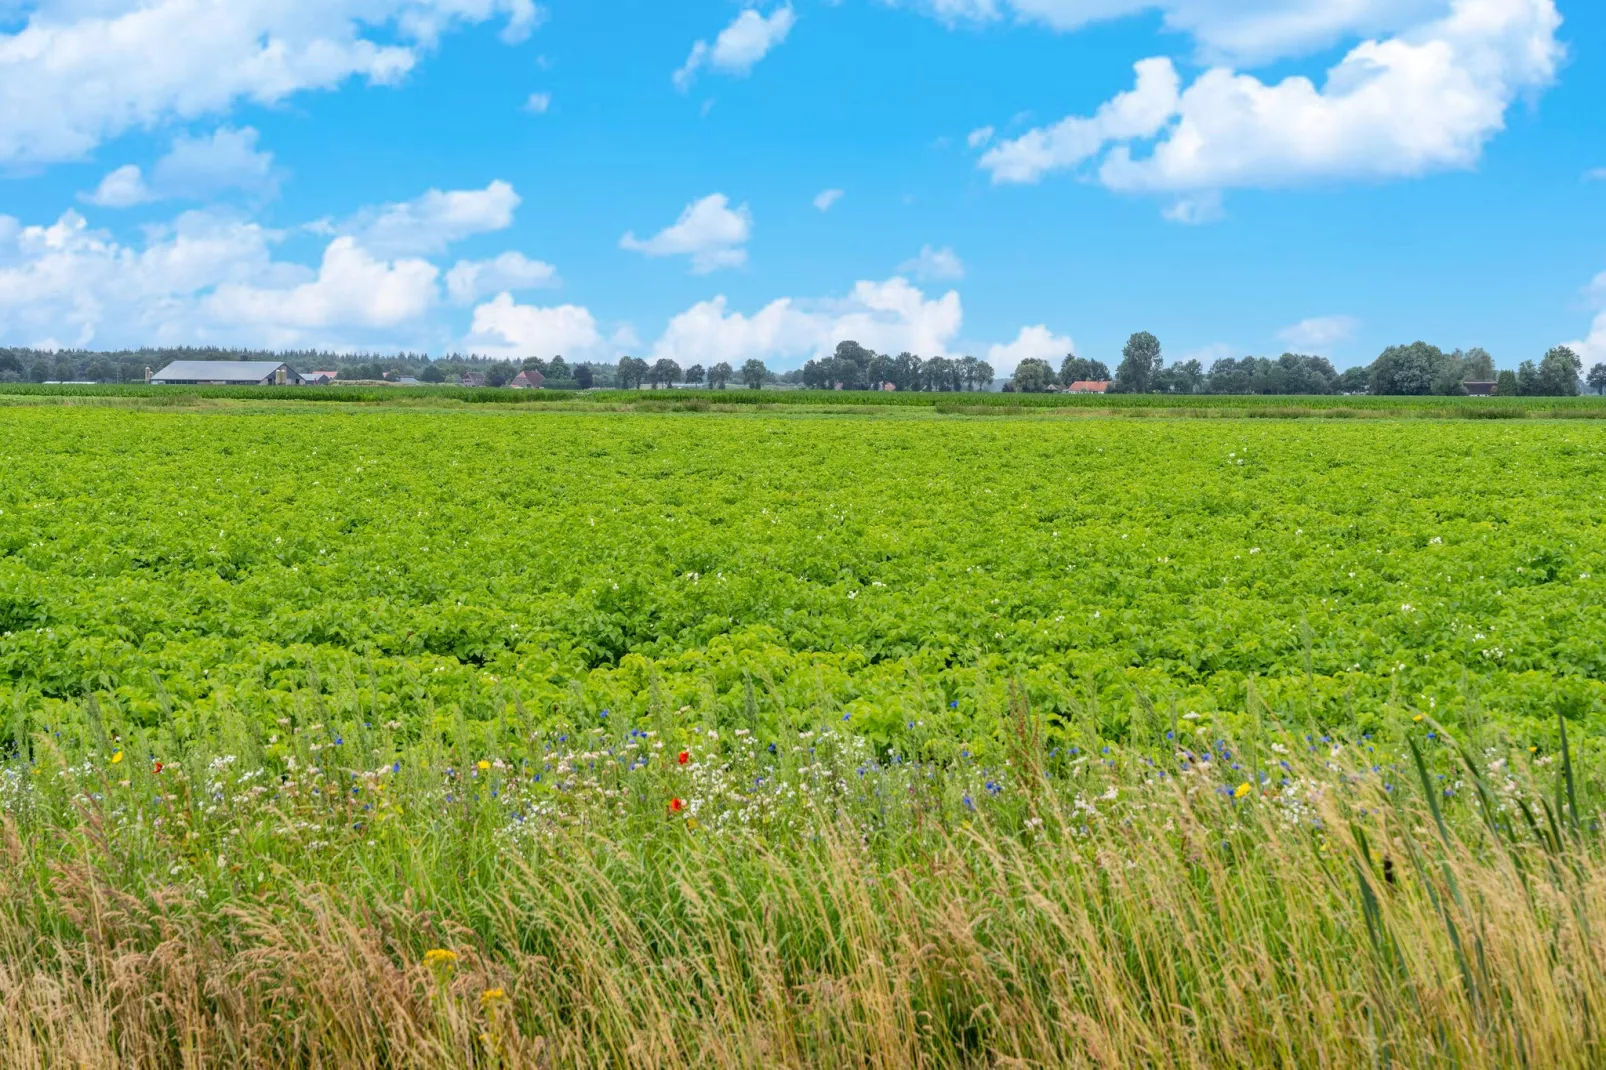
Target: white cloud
(121, 188)
(1038, 343)
(196, 169)
(934, 265)
(1240, 30)
(740, 46)
(79, 72)
(539, 103)
(1320, 333)
(502, 327)
(430, 223)
(709, 231)
(1426, 99)
(471, 280)
(980, 137)
(352, 286)
(1196, 209)
(1597, 174)
(826, 198)
(890, 317)
(1593, 348)
(71, 282)
(1141, 112)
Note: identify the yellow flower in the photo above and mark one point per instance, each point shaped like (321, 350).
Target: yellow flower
(1243, 789)
(117, 757)
(440, 956)
(1418, 717)
(484, 765)
(492, 996)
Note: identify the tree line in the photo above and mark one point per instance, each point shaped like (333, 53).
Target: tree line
(1415, 369)
(1418, 368)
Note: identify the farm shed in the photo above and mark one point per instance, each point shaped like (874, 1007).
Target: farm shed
(1087, 386)
(227, 373)
(528, 379)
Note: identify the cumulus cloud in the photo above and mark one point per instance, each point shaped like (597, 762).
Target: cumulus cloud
(1427, 98)
(194, 168)
(980, 137)
(1593, 347)
(503, 327)
(826, 198)
(71, 282)
(1141, 112)
(1038, 343)
(892, 316)
(79, 73)
(430, 223)
(1320, 333)
(539, 103)
(934, 265)
(470, 280)
(740, 46)
(1238, 30)
(709, 231)
(352, 287)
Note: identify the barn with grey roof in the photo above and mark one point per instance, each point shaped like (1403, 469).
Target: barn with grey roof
(227, 373)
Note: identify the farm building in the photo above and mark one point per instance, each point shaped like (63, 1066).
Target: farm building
(1480, 388)
(472, 379)
(528, 379)
(227, 373)
(320, 378)
(1087, 386)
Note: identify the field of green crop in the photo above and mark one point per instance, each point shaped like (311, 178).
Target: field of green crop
(889, 569)
(357, 735)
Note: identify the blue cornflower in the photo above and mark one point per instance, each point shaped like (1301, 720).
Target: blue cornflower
(970, 803)
(395, 767)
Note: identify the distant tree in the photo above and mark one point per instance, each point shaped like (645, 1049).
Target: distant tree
(1597, 379)
(558, 369)
(1451, 373)
(39, 372)
(536, 364)
(1559, 371)
(664, 371)
(432, 374)
(632, 372)
(1075, 369)
(1527, 379)
(881, 370)
(816, 374)
(985, 375)
(584, 376)
(908, 371)
(64, 369)
(1033, 376)
(499, 374)
(696, 374)
(1506, 385)
(1408, 370)
(754, 373)
(1353, 380)
(1189, 376)
(1480, 365)
(101, 371)
(1140, 359)
(719, 375)
(967, 371)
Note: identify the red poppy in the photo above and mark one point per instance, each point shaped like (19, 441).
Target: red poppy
(158, 767)
(685, 756)
(676, 806)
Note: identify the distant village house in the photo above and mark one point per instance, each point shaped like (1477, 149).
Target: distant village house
(1087, 386)
(528, 379)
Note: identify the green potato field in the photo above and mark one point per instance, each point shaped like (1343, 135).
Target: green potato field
(893, 569)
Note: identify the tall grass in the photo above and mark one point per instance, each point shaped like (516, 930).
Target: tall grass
(670, 895)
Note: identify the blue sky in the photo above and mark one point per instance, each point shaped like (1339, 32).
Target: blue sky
(714, 180)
